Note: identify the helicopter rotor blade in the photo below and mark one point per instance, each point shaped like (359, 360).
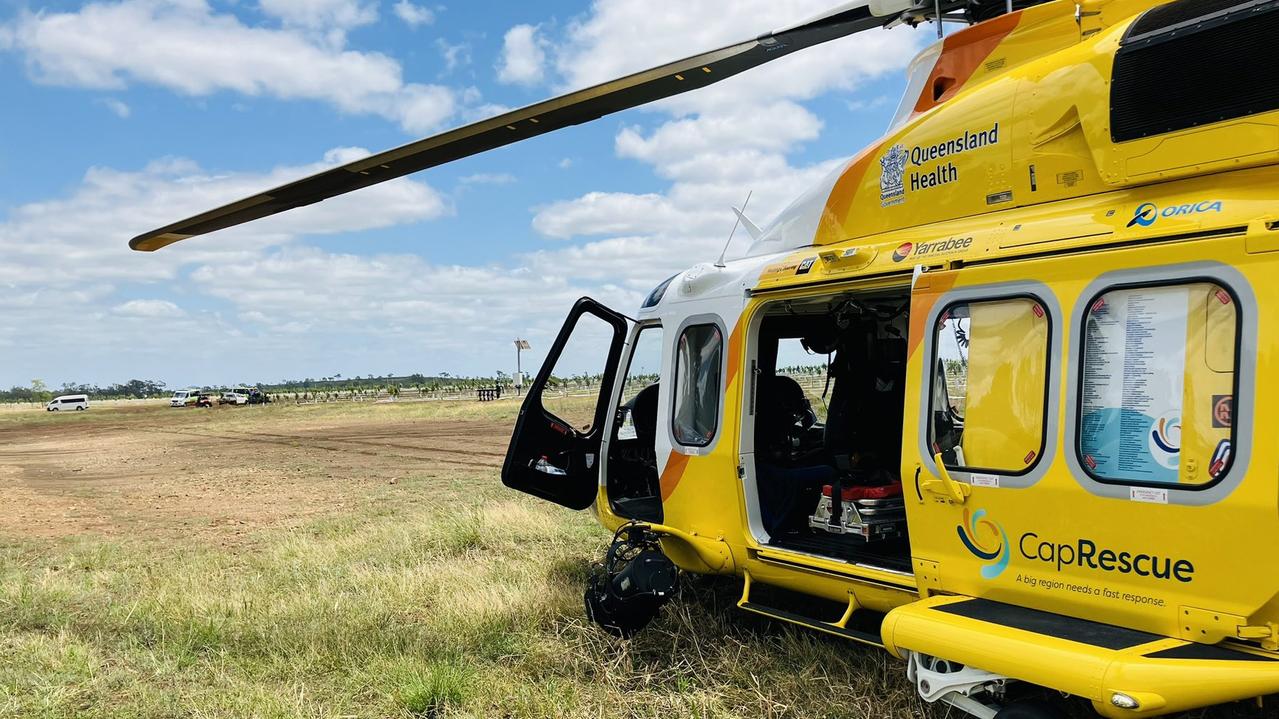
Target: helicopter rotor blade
(573, 108)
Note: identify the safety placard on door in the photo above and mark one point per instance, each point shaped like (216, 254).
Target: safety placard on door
(1133, 378)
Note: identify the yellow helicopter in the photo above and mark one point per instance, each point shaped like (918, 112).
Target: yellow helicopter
(1044, 307)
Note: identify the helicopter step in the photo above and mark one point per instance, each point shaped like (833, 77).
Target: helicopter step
(799, 609)
(1123, 672)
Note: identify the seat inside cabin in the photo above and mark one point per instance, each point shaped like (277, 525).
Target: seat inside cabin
(828, 405)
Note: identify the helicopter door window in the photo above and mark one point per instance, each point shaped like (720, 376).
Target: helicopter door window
(573, 389)
(698, 368)
(990, 385)
(1157, 388)
(642, 373)
(634, 489)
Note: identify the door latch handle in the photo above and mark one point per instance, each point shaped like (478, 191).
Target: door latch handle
(946, 486)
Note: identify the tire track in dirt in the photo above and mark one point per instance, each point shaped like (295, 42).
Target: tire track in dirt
(432, 454)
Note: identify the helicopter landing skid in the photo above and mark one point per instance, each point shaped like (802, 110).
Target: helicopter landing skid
(962, 687)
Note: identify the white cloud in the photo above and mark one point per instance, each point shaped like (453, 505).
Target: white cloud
(321, 15)
(118, 107)
(405, 309)
(455, 56)
(489, 178)
(604, 213)
(88, 231)
(413, 15)
(714, 145)
(523, 58)
(69, 279)
(188, 48)
(619, 37)
(775, 127)
(148, 309)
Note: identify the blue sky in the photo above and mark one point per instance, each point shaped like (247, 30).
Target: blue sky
(124, 115)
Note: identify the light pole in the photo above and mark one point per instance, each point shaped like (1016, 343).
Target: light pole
(520, 346)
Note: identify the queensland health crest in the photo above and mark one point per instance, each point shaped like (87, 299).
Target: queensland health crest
(985, 539)
(892, 176)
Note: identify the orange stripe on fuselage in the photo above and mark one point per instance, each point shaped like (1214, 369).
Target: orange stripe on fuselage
(962, 53)
(734, 353)
(830, 228)
(921, 303)
(676, 463)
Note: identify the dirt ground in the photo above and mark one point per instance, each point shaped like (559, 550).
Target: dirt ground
(222, 473)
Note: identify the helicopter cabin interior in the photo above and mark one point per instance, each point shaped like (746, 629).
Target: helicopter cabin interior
(824, 420)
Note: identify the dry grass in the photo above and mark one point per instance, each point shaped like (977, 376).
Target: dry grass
(438, 595)
(466, 604)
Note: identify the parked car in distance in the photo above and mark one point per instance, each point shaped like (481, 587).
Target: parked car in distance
(235, 398)
(255, 395)
(184, 398)
(68, 401)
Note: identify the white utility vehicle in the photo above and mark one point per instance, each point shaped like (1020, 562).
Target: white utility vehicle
(68, 401)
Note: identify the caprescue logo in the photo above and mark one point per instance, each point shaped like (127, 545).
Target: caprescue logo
(1084, 554)
(1148, 213)
(902, 252)
(987, 541)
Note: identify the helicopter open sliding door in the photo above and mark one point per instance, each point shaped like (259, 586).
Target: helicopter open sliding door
(555, 450)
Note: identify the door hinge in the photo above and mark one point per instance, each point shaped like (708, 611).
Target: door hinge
(1209, 627)
(1267, 635)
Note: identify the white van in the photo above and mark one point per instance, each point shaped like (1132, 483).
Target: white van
(68, 401)
(184, 398)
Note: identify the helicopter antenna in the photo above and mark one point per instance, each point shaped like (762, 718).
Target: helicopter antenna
(736, 222)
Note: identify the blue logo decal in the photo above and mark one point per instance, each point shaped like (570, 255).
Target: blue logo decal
(995, 552)
(1145, 215)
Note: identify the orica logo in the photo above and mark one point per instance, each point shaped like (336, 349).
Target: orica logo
(987, 540)
(1145, 215)
(1148, 212)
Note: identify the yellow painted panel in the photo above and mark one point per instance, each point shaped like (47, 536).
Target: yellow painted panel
(1202, 149)
(1207, 402)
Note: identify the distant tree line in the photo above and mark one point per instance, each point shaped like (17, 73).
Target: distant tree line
(41, 392)
(443, 383)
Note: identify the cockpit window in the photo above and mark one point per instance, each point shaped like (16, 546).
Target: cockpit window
(698, 362)
(658, 292)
